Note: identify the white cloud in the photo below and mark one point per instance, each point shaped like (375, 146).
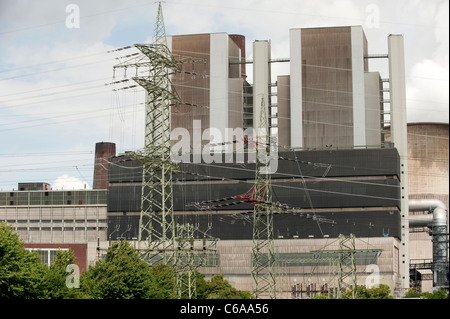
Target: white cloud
(69, 182)
(427, 92)
(428, 78)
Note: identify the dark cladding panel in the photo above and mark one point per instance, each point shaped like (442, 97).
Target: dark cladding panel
(124, 169)
(320, 179)
(286, 226)
(360, 223)
(123, 227)
(124, 198)
(338, 193)
(323, 194)
(339, 163)
(318, 163)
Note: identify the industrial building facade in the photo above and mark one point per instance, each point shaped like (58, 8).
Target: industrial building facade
(333, 192)
(48, 220)
(210, 88)
(331, 98)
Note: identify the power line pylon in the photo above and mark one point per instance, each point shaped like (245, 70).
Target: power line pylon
(156, 219)
(263, 259)
(347, 266)
(186, 281)
(343, 267)
(160, 239)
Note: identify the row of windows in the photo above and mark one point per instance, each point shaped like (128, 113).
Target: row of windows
(60, 228)
(92, 197)
(47, 256)
(19, 203)
(24, 221)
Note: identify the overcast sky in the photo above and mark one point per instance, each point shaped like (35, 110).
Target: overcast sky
(54, 104)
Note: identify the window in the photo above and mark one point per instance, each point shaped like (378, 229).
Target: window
(47, 255)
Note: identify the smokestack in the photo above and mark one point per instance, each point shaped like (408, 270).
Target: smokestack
(103, 151)
(240, 42)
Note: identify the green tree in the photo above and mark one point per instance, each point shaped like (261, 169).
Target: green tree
(412, 293)
(162, 282)
(437, 294)
(122, 274)
(219, 288)
(21, 272)
(381, 291)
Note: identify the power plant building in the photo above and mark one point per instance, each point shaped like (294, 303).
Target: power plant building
(330, 97)
(211, 88)
(338, 172)
(48, 220)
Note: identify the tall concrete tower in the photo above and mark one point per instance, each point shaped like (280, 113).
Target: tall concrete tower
(212, 99)
(397, 87)
(332, 99)
(103, 150)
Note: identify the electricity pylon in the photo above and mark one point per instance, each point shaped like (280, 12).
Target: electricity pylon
(156, 219)
(263, 259)
(347, 266)
(160, 239)
(343, 267)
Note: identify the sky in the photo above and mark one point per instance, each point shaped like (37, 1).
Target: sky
(57, 58)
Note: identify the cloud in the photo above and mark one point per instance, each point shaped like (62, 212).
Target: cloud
(427, 92)
(69, 182)
(428, 78)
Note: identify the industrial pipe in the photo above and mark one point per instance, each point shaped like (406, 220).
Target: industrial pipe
(439, 233)
(434, 206)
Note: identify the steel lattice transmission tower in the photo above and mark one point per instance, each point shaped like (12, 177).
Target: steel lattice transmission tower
(160, 239)
(263, 259)
(156, 219)
(347, 266)
(156, 224)
(187, 261)
(342, 267)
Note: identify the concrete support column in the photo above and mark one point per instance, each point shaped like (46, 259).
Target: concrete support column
(399, 138)
(296, 105)
(261, 79)
(359, 107)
